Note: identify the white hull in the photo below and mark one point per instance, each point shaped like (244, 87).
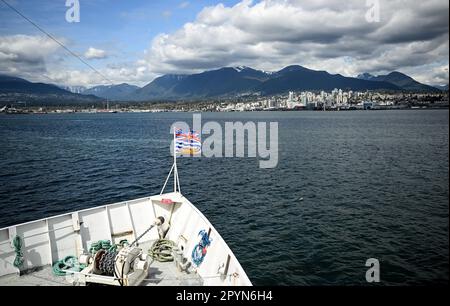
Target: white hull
(47, 240)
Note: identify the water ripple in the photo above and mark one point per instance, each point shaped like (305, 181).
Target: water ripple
(374, 184)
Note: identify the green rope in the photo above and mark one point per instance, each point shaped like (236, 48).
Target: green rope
(99, 245)
(67, 263)
(58, 268)
(71, 262)
(161, 250)
(123, 242)
(106, 245)
(18, 244)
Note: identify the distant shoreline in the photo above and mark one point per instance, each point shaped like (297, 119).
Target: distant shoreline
(88, 111)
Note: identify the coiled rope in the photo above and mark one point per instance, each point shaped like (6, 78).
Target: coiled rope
(99, 245)
(199, 251)
(67, 263)
(161, 250)
(71, 262)
(106, 245)
(18, 244)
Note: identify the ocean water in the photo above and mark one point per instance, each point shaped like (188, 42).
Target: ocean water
(374, 185)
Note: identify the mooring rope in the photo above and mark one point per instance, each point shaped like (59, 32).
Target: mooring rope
(161, 250)
(18, 244)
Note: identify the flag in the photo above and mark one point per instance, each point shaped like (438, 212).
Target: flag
(187, 143)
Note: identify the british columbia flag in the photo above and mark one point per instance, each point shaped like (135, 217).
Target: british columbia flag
(187, 142)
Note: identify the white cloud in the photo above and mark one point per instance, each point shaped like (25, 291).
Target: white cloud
(130, 73)
(40, 59)
(330, 35)
(434, 74)
(25, 55)
(440, 75)
(93, 53)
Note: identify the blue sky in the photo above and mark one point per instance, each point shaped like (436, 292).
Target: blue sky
(135, 41)
(124, 27)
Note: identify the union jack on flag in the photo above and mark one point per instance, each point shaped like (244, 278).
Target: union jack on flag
(187, 143)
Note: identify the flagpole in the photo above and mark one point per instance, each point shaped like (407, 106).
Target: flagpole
(175, 171)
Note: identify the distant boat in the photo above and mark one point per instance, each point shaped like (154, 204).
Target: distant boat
(157, 240)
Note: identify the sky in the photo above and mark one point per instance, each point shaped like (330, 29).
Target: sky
(135, 41)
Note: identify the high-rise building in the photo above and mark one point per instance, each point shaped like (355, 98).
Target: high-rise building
(290, 103)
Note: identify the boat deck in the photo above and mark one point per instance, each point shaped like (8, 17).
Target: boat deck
(40, 277)
(166, 274)
(159, 274)
(45, 241)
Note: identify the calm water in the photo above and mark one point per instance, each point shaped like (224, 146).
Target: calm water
(374, 184)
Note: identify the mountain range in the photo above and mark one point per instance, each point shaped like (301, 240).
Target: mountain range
(112, 92)
(222, 83)
(9, 84)
(235, 81)
(401, 80)
(442, 87)
(14, 89)
(238, 81)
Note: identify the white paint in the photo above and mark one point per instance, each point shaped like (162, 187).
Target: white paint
(57, 236)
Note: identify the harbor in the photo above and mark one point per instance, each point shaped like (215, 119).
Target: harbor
(362, 184)
(337, 100)
(215, 151)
